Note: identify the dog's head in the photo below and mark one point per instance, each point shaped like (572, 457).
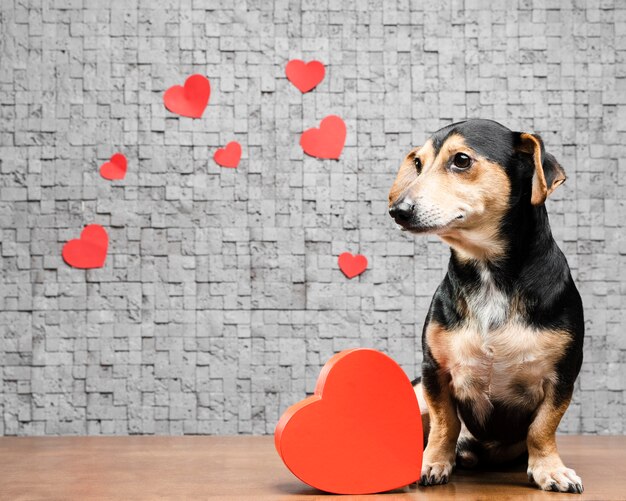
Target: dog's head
(464, 179)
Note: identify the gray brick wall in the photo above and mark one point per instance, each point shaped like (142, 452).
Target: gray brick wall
(221, 299)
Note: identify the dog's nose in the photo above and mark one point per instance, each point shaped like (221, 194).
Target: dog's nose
(402, 211)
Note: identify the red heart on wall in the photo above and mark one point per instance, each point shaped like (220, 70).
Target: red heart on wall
(352, 265)
(88, 251)
(115, 168)
(360, 432)
(327, 141)
(228, 156)
(190, 100)
(305, 76)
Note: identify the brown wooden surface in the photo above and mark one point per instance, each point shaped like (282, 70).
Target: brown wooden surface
(200, 467)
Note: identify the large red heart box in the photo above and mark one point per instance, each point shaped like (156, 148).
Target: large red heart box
(360, 432)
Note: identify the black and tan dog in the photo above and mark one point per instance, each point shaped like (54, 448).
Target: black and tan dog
(503, 338)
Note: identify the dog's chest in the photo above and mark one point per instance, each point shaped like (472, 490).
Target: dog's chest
(508, 365)
(494, 356)
(487, 306)
(494, 364)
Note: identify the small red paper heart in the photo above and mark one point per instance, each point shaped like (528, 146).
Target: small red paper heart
(190, 100)
(360, 432)
(352, 265)
(228, 156)
(305, 76)
(115, 168)
(88, 251)
(327, 141)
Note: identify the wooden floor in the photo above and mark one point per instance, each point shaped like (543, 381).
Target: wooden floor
(248, 468)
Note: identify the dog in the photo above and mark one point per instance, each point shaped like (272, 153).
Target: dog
(503, 338)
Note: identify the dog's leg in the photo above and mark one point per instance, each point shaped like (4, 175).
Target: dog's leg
(497, 453)
(439, 455)
(419, 393)
(470, 452)
(467, 449)
(545, 467)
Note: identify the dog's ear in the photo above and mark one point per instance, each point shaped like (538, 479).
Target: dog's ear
(548, 174)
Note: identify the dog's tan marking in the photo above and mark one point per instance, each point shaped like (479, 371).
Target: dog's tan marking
(545, 466)
(445, 425)
(481, 243)
(407, 174)
(541, 434)
(540, 187)
(510, 364)
(531, 144)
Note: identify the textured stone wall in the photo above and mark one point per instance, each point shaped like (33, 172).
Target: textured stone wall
(220, 298)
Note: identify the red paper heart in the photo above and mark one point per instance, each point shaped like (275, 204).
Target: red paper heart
(228, 156)
(115, 168)
(190, 100)
(305, 76)
(327, 141)
(352, 265)
(88, 251)
(360, 432)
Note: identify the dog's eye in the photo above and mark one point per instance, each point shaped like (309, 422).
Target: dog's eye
(418, 165)
(462, 161)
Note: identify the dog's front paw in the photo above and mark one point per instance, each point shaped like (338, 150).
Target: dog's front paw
(435, 473)
(555, 477)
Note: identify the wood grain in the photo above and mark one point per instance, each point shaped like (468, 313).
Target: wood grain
(244, 467)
